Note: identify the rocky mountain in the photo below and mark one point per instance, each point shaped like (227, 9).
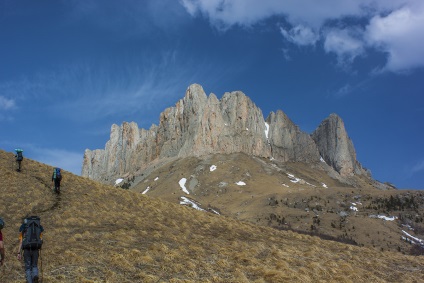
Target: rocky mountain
(199, 125)
(222, 156)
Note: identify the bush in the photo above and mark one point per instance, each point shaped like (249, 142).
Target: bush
(416, 250)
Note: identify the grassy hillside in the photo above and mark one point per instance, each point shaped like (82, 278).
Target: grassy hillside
(293, 196)
(97, 233)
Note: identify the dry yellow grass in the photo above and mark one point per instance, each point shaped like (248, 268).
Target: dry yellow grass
(97, 233)
(270, 198)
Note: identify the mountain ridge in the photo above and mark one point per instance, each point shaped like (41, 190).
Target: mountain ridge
(199, 125)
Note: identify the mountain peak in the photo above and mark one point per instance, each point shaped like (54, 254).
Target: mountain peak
(335, 146)
(198, 125)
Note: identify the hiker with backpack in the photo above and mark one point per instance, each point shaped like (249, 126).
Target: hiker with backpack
(56, 178)
(18, 157)
(30, 242)
(1, 243)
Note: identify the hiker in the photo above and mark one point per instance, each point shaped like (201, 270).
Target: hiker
(56, 178)
(1, 243)
(19, 157)
(30, 241)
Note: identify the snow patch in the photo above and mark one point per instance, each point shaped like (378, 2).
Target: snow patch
(118, 181)
(387, 218)
(324, 185)
(241, 183)
(212, 168)
(413, 239)
(157, 178)
(189, 202)
(293, 179)
(214, 211)
(266, 129)
(393, 218)
(182, 185)
(407, 226)
(145, 191)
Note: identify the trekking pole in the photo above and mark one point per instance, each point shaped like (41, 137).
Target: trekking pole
(41, 267)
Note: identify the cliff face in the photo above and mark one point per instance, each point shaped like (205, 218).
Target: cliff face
(336, 147)
(199, 124)
(288, 142)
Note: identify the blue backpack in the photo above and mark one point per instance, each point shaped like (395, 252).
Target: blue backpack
(57, 174)
(1, 223)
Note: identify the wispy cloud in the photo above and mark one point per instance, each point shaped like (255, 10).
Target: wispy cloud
(128, 89)
(131, 18)
(87, 92)
(418, 167)
(343, 91)
(300, 35)
(6, 103)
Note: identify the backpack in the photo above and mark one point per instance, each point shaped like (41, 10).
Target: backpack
(1, 223)
(57, 174)
(19, 156)
(31, 235)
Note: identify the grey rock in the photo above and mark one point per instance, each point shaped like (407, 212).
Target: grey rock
(222, 184)
(199, 125)
(343, 213)
(288, 142)
(335, 146)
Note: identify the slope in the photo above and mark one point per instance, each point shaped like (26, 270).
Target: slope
(97, 233)
(297, 196)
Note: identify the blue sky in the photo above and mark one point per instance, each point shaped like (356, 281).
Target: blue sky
(70, 69)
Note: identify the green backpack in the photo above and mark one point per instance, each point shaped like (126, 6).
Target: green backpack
(57, 174)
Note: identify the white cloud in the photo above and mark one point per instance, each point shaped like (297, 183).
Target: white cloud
(344, 43)
(300, 35)
(398, 33)
(6, 103)
(248, 12)
(401, 35)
